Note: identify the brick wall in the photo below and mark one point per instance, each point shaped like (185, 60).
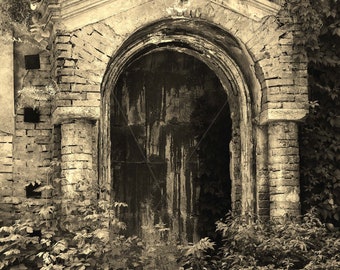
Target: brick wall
(32, 140)
(79, 60)
(283, 168)
(6, 177)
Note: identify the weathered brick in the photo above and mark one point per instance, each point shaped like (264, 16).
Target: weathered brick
(93, 96)
(64, 54)
(86, 103)
(86, 87)
(62, 39)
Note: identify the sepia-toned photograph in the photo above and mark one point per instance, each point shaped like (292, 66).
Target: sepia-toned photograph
(169, 134)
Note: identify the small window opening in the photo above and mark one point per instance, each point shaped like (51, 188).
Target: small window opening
(31, 193)
(31, 115)
(35, 233)
(32, 61)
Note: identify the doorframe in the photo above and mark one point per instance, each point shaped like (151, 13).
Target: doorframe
(229, 60)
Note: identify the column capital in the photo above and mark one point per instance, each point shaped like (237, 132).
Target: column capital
(279, 115)
(65, 114)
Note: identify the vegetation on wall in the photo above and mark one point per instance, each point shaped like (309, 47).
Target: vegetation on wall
(319, 135)
(15, 15)
(89, 242)
(86, 234)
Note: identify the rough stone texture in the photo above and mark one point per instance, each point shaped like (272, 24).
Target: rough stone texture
(6, 177)
(7, 85)
(76, 161)
(279, 93)
(31, 155)
(6, 127)
(262, 177)
(90, 45)
(283, 165)
(32, 152)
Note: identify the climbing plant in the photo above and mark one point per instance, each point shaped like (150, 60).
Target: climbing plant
(319, 35)
(15, 15)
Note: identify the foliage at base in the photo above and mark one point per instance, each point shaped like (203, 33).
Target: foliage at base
(250, 243)
(88, 238)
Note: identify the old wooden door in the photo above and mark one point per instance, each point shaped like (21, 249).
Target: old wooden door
(170, 130)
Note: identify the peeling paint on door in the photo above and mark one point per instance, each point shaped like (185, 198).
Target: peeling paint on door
(154, 157)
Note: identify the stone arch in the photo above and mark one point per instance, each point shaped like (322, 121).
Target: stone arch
(230, 61)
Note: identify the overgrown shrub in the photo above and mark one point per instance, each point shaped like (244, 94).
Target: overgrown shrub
(15, 15)
(319, 38)
(254, 244)
(196, 256)
(88, 238)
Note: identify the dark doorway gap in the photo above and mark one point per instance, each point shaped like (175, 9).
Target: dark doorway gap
(162, 105)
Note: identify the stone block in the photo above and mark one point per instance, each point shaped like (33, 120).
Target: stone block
(73, 79)
(76, 157)
(43, 125)
(64, 54)
(76, 165)
(86, 103)
(93, 96)
(62, 39)
(279, 167)
(280, 98)
(71, 95)
(292, 182)
(6, 149)
(6, 168)
(24, 125)
(65, 87)
(90, 75)
(63, 103)
(66, 71)
(70, 63)
(86, 87)
(284, 114)
(6, 139)
(279, 82)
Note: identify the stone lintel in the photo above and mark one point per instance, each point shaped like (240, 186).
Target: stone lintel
(73, 14)
(275, 115)
(64, 114)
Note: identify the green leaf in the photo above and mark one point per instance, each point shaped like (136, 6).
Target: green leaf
(29, 230)
(12, 252)
(60, 246)
(46, 211)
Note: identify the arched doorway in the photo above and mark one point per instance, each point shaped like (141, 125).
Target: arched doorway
(229, 61)
(170, 128)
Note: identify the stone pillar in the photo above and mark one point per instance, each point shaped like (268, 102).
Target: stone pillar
(78, 179)
(76, 159)
(283, 165)
(262, 179)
